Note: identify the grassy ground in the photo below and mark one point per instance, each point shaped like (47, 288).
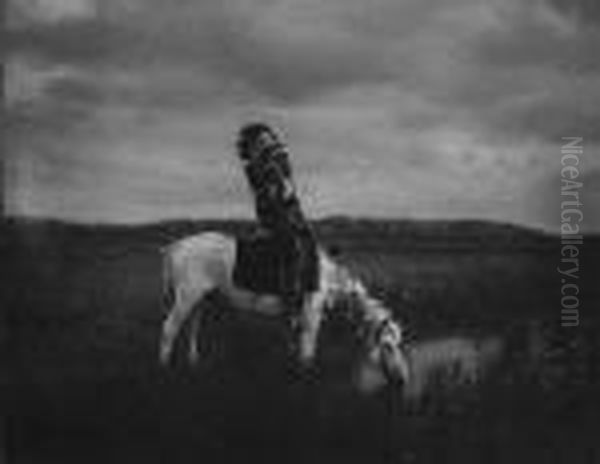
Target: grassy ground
(82, 314)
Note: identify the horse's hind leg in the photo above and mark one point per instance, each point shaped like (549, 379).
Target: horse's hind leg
(209, 302)
(170, 329)
(193, 342)
(182, 309)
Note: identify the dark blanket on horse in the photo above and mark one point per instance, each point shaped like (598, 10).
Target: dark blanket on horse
(270, 264)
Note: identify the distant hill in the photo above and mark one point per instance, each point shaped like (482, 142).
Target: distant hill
(393, 234)
(440, 234)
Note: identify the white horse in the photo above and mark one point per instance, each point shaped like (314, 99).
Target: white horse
(202, 264)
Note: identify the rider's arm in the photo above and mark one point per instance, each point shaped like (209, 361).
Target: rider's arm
(285, 169)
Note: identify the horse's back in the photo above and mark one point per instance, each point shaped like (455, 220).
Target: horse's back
(204, 255)
(202, 242)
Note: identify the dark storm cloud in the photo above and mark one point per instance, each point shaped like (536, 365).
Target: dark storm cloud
(553, 118)
(587, 11)
(259, 47)
(212, 39)
(74, 42)
(536, 76)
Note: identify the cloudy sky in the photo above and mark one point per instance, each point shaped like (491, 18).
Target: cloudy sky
(127, 110)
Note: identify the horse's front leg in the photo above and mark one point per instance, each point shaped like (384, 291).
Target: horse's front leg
(310, 323)
(193, 355)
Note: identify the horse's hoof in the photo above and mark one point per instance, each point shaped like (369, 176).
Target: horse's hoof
(193, 359)
(300, 372)
(308, 373)
(163, 361)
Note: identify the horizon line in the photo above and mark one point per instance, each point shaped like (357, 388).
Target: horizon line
(333, 217)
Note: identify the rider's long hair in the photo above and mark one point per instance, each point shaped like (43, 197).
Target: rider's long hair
(248, 135)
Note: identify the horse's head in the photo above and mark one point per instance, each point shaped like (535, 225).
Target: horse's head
(384, 359)
(385, 352)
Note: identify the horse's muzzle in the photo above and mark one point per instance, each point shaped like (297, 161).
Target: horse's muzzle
(395, 365)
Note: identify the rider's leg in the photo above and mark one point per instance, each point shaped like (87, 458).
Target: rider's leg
(293, 296)
(294, 293)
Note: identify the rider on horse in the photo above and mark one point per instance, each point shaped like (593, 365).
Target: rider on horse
(282, 222)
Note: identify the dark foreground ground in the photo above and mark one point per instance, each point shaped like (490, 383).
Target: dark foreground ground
(82, 311)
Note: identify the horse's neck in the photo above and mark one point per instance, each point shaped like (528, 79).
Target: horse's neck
(374, 312)
(371, 311)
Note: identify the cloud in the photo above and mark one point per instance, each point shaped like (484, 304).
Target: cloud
(584, 11)
(50, 11)
(432, 108)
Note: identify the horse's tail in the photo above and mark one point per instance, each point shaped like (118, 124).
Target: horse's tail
(168, 291)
